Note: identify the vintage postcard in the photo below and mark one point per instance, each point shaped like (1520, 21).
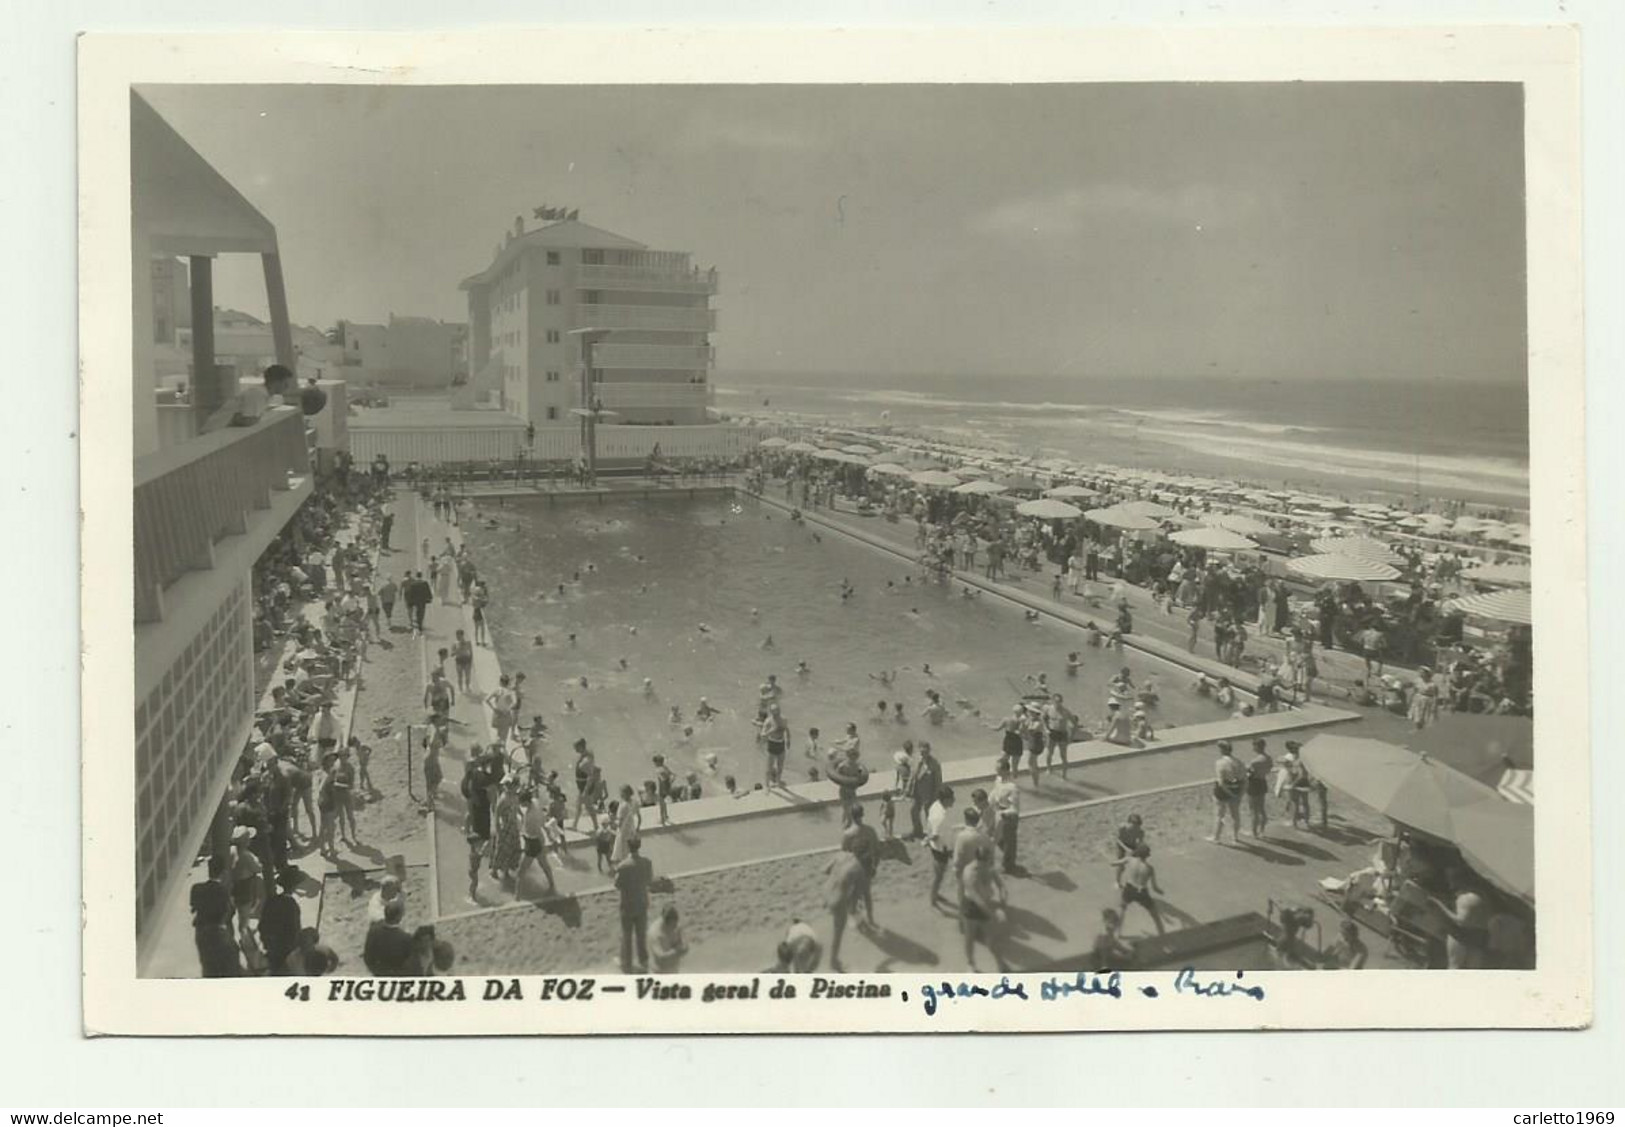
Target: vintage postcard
(829, 532)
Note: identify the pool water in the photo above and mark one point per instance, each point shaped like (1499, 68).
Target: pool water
(705, 597)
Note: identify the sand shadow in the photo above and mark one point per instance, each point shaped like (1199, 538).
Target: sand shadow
(900, 949)
(1345, 834)
(1055, 879)
(895, 849)
(1304, 848)
(1273, 856)
(1024, 922)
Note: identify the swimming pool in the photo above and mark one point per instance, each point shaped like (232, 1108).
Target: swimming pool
(707, 596)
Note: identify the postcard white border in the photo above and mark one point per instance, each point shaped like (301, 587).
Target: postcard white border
(1543, 59)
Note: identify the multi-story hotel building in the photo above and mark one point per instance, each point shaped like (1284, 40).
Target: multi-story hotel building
(207, 503)
(526, 310)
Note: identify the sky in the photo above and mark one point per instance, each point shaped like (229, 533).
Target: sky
(1292, 231)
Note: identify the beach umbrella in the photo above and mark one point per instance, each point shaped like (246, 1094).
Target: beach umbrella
(1363, 547)
(1213, 539)
(1073, 492)
(1498, 751)
(978, 488)
(1341, 567)
(1020, 483)
(1501, 574)
(775, 442)
(859, 448)
(1148, 509)
(1049, 508)
(1407, 786)
(888, 469)
(1118, 518)
(801, 448)
(1501, 606)
(1497, 838)
(940, 479)
(1236, 522)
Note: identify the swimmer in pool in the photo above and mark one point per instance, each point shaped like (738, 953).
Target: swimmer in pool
(881, 713)
(537, 641)
(885, 677)
(569, 704)
(1030, 615)
(705, 711)
(582, 681)
(572, 639)
(935, 711)
(676, 716)
(561, 588)
(897, 712)
(803, 669)
(704, 629)
(1072, 664)
(648, 688)
(755, 614)
(926, 669)
(767, 642)
(622, 662)
(631, 629)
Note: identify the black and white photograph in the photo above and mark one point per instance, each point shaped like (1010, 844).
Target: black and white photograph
(888, 537)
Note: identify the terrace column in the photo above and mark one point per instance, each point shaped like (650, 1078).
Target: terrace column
(276, 298)
(207, 394)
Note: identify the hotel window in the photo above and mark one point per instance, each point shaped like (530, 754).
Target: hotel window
(552, 377)
(592, 257)
(552, 258)
(552, 297)
(552, 336)
(552, 412)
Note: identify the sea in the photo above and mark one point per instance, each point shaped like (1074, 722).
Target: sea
(1411, 441)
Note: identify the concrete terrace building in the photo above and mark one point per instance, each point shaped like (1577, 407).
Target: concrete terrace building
(654, 366)
(406, 352)
(206, 505)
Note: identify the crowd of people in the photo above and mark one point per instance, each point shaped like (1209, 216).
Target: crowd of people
(317, 598)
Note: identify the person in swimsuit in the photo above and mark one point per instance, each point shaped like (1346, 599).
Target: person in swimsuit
(1059, 722)
(1138, 880)
(776, 737)
(1229, 780)
(462, 652)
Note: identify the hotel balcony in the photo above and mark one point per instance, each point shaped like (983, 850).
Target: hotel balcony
(649, 279)
(663, 357)
(619, 396)
(198, 498)
(658, 318)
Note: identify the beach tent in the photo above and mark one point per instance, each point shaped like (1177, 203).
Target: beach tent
(1213, 539)
(1072, 492)
(978, 488)
(888, 469)
(1049, 509)
(1022, 484)
(1499, 606)
(801, 448)
(1236, 522)
(774, 443)
(1495, 837)
(1119, 518)
(1337, 567)
(1148, 509)
(1501, 574)
(1364, 548)
(937, 479)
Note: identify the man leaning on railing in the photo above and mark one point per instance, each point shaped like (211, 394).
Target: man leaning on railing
(250, 403)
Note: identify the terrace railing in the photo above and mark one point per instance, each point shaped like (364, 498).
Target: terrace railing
(191, 495)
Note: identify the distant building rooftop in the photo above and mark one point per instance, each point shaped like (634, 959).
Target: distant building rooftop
(565, 233)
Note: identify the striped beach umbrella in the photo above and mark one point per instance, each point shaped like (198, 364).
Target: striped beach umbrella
(1361, 546)
(1511, 605)
(1501, 574)
(1338, 567)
